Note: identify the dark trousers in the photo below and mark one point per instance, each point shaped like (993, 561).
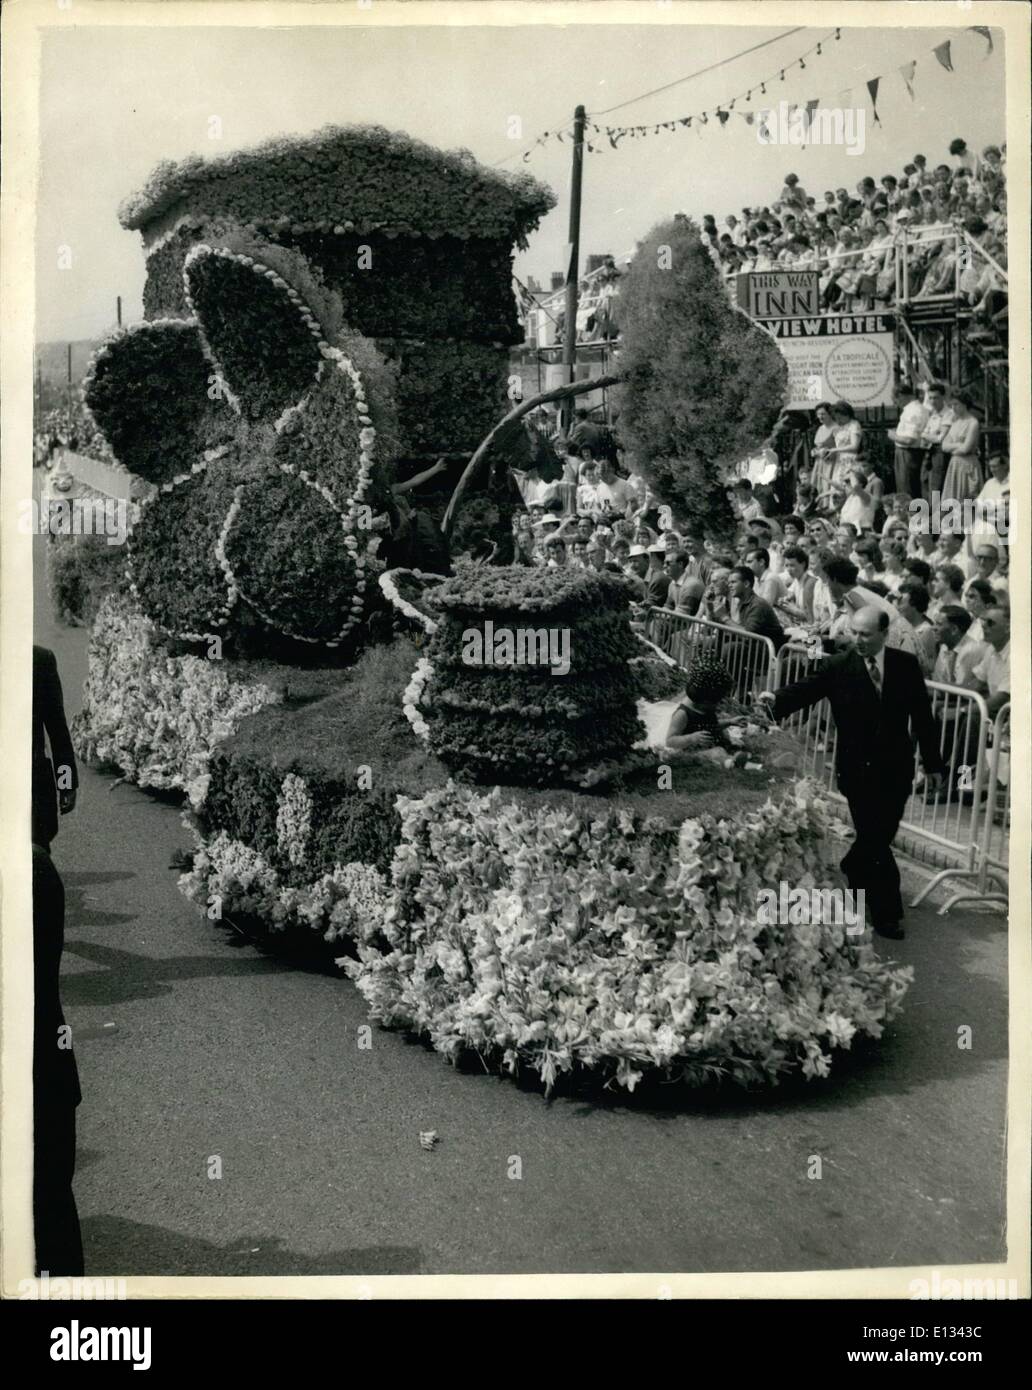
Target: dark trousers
(933, 472)
(908, 470)
(876, 805)
(54, 1214)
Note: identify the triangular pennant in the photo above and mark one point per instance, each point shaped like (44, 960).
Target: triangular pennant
(722, 116)
(872, 87)
(907, 74)
(748, 116)
(686, 120)
(986, 33)
(943, 55)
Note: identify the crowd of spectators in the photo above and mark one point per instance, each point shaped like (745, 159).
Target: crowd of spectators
(67, 427)
(853, 238)
(800, 575)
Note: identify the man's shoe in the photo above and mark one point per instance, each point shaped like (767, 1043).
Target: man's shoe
(893, 930)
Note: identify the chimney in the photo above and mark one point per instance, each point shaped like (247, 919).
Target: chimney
(558, 279)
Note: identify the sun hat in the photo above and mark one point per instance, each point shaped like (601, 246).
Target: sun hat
(637, 550)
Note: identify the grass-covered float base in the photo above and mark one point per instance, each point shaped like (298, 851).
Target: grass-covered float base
(544, 930)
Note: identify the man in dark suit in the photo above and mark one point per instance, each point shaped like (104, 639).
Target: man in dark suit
(55, 779)
(880, 704)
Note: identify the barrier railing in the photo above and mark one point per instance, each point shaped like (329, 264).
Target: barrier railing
(749, 657)
(993, 805)
(969, 818)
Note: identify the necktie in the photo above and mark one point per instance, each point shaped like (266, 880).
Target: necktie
(872, 666)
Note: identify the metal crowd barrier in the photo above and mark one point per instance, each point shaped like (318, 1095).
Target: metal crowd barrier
(969, 819)
(990, 861)
(749, 657)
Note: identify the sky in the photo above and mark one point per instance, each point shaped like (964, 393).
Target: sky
(116, 101)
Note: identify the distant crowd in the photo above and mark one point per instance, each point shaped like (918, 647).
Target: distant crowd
(846, 543)
(853, 239)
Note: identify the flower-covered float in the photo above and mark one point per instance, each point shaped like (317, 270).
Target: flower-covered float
(485, 843)
(296, 373)
(540, 916)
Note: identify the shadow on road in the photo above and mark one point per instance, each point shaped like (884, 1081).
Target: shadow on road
(115, 1247)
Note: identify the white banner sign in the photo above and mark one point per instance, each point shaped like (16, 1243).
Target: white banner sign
(845, 357)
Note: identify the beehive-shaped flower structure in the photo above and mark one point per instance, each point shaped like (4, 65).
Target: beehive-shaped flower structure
(417, 241)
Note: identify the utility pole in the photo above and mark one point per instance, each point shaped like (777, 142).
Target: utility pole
(572, 268)
(118, 309)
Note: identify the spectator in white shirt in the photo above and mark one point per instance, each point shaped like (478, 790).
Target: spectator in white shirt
(617, 492)
(912, 605)
(743, 501)
(959, 654)
(913, 416)
(987, 565)
(892, 575)
(685, 592)
(796, 600)
(897, 513)
(766, 585)
(951, 551)
(947, 589)
(992, 674)
(589, 496)
(860, 505)
(922, 544)
(978, 597)
(761, 534)
(940, 418)
(867, 557)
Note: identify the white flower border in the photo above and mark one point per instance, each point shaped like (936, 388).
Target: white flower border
(412, 695)
(409, 610)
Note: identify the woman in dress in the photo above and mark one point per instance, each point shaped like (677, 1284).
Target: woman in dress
(823, 439)
(848, 437)
(695, 724)
(964, 473)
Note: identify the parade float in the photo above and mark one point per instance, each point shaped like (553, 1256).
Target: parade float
(483, 839)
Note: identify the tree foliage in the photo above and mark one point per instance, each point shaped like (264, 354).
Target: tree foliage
(703, 386)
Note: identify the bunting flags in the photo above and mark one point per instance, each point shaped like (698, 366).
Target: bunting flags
(722, 112)
(943, 55)
(986, 33)
(872, 87)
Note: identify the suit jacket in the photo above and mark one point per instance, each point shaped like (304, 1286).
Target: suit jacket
(875, 733)
(48, 725)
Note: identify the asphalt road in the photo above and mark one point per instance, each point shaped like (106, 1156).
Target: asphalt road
(193, 1045)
